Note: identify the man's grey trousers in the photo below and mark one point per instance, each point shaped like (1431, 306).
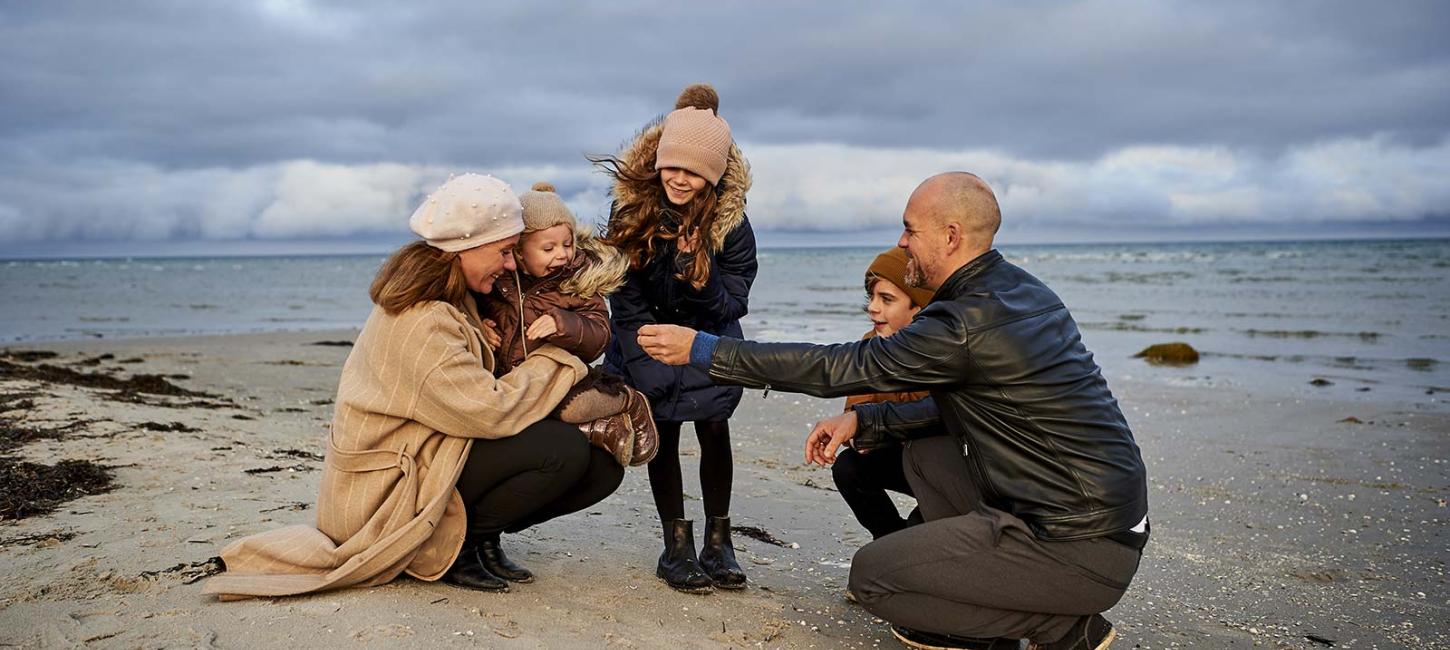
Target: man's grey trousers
(972, 570)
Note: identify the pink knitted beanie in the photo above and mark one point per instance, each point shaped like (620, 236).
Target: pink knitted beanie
(694, 137)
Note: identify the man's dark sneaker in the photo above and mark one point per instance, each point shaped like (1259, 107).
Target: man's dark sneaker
(936, 641)
(1089, 633)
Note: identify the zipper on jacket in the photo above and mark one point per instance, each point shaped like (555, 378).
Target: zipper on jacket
(976, 462)
(523, 337)
(765, 393)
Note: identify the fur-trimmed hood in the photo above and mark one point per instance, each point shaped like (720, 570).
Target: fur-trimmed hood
(733, 185)
(599, 268)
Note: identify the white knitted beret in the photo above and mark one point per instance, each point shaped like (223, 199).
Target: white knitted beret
(468, 211)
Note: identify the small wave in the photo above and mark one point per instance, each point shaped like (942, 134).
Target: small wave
(1399, 295)
(1253, 357)
(1421, 364)
(1140, 257)
(1310, 334)
(1341, 363)
(1125, 277)
(1129, 327)
(1353, 363)
(1257, 279)
(1270, 314)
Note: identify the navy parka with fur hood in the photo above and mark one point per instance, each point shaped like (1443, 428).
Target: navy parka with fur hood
(652, 294)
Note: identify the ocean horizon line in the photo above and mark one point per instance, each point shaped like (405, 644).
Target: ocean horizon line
(370, 250)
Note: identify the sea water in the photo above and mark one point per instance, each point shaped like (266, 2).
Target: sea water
(1372, 318)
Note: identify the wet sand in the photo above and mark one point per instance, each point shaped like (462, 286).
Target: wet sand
(1276, 523)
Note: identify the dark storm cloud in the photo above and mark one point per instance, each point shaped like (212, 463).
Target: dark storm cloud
(100, 97)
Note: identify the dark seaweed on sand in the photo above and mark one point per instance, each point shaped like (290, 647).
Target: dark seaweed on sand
(189, 572)
(174, 426)
(148, 384)
(759, 534)
(30, 489)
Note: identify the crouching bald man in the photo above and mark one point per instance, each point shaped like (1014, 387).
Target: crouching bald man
(1032, 489)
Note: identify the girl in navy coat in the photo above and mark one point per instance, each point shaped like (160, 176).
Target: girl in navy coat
(679, 216)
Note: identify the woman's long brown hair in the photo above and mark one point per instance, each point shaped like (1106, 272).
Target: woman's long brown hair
(639, 224)
(419, 272)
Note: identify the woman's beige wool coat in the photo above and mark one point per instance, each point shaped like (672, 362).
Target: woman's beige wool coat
(414, 392)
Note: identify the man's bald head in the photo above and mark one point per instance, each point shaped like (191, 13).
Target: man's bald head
(962, 198)
(949, 221)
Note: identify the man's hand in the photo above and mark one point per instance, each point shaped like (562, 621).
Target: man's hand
(668, 344)
(490, 334)
(828, 436)
(690, 243)
(542, 327)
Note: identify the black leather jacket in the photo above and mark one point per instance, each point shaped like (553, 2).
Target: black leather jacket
(1009, 378)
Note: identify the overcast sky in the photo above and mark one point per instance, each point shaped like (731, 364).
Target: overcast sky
(150, 123)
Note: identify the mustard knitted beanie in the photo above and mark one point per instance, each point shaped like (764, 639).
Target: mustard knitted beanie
(694, 137)
(544, 209)
(891, 266)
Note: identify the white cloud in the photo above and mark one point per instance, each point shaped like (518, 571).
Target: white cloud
(822, 187)
(299, 199)
(839, 187)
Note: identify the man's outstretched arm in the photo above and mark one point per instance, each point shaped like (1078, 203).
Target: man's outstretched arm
(929, 353)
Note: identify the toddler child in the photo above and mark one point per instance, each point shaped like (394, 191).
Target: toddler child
(556, 295)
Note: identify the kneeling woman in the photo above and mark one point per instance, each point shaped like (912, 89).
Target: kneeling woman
(431, 456)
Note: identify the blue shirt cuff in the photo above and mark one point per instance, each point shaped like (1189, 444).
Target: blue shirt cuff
(703, 349)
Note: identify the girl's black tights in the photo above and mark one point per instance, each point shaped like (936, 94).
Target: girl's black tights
(716, 471)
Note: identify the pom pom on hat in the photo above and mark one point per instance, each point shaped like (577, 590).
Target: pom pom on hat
(694, 137)
(468, 211)
(701, 96)
(544, 209)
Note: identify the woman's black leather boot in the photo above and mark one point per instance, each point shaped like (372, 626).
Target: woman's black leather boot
(717, 555)
(499, 564)
(678, 566)
(468, 571)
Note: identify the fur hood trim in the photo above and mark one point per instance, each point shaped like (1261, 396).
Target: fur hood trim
(599, 268)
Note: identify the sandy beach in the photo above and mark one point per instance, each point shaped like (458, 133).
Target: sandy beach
(1280, 520)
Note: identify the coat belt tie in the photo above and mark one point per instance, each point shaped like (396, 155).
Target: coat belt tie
(369, 461)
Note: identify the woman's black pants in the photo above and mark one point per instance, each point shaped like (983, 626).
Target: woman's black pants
(547, 470)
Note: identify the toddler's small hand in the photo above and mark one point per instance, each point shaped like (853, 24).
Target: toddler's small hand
(490, 334)
(542, 327)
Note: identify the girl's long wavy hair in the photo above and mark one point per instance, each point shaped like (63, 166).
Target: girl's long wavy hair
(419, 272)
(647, 218)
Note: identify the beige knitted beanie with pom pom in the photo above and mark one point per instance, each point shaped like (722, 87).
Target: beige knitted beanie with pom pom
(694, 137)
(543, 209)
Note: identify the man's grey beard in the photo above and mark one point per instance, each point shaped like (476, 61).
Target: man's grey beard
(914, 277)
